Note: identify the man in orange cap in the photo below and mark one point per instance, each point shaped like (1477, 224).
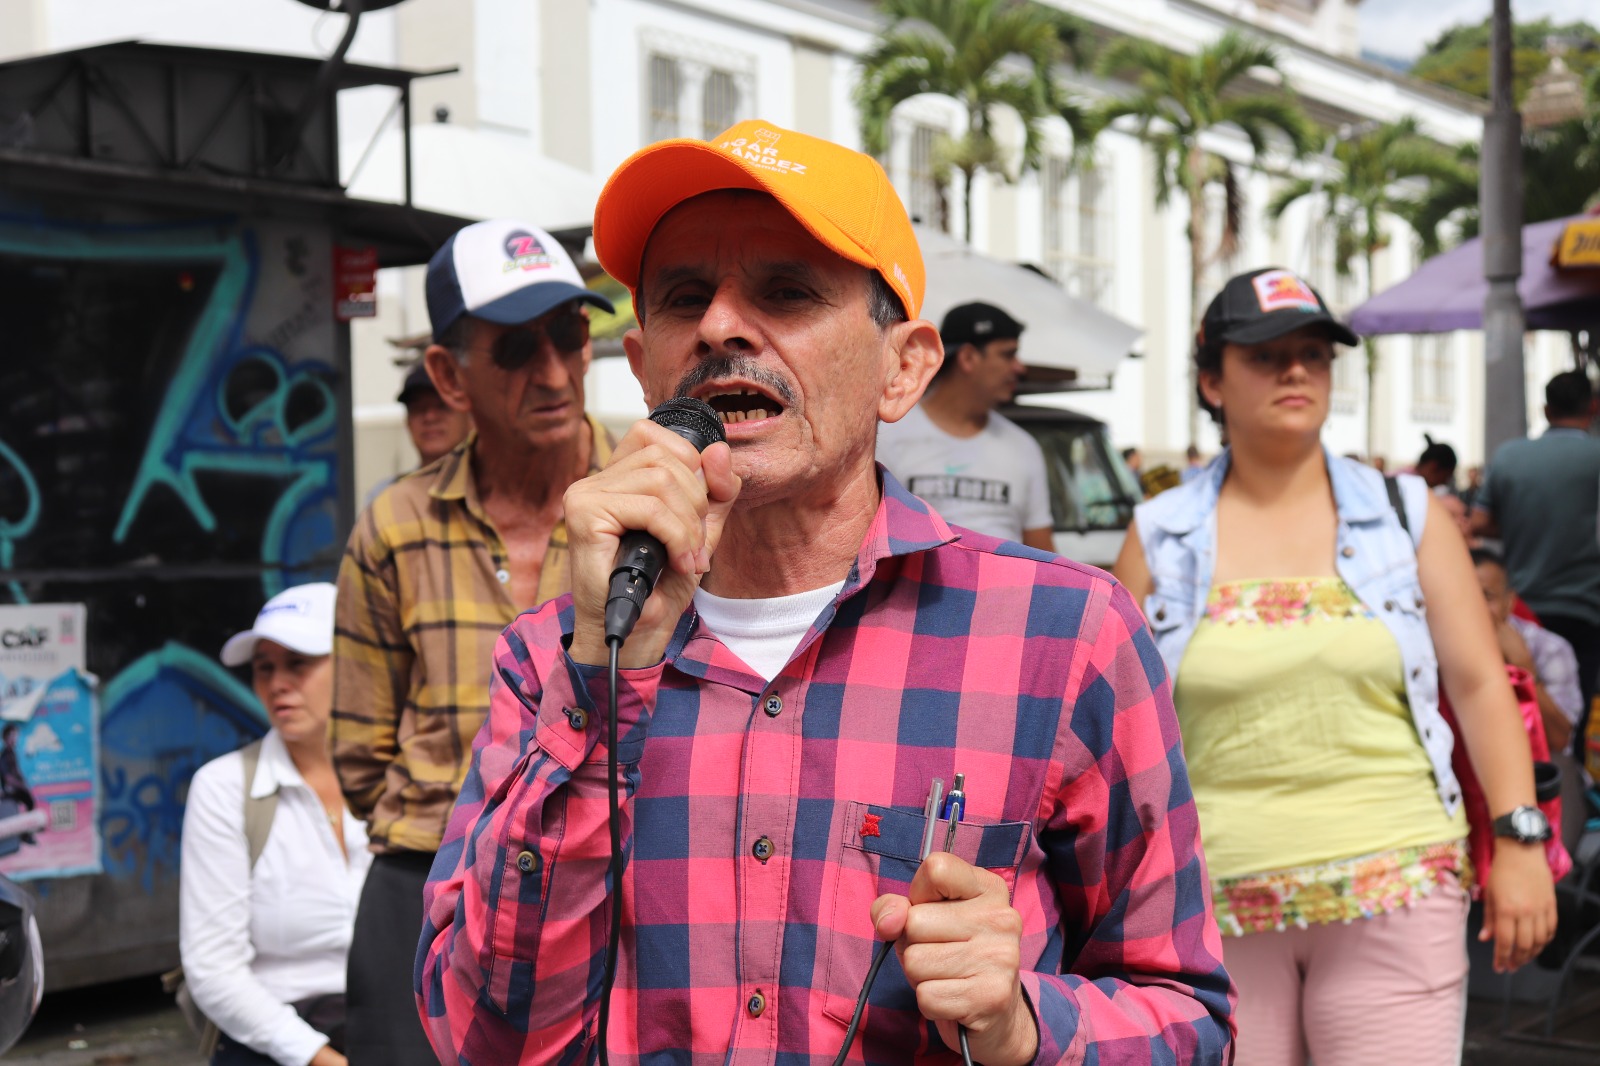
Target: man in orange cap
(821, 656)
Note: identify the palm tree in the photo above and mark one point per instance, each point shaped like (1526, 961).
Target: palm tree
(1178, 98)
(1372, 167)
(985, 54)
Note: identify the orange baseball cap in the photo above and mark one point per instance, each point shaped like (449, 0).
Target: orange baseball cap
(841, 196)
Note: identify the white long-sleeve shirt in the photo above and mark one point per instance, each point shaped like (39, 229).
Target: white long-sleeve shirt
(252, 945)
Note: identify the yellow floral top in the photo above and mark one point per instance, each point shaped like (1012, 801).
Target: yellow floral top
(1316, 799)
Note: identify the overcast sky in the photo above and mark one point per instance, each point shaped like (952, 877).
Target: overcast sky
(1401, 27)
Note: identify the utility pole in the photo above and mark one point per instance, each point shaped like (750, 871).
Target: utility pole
(1505, 413)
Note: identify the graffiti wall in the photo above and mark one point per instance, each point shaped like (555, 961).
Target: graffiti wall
(169, 457)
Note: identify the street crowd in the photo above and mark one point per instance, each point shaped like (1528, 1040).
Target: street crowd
(1232, 804)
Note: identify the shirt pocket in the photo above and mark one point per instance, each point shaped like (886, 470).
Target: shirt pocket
(512, 893)
(878, 852)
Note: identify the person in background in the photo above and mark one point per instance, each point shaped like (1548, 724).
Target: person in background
(1134, 459)
(433, 425)
(1469, 495)
(1380, 464)
(1541, 498)
(1302, 623)
(1554, 666)
(13, 784)
(438, 565)
(1192, 467)
(978, 468)
(264, 944)
(1437, 465)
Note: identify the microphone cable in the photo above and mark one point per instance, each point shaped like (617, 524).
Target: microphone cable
(614, 810)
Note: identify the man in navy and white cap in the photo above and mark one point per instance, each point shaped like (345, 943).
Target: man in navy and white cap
(436, 567)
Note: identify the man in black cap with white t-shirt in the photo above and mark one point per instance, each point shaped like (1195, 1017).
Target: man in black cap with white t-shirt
(976, 467)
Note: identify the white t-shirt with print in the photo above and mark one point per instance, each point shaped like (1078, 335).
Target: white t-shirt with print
(993, 482)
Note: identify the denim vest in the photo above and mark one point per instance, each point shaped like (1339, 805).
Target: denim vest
(1375, 557)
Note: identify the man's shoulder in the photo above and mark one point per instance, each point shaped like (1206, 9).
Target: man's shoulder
(997, 562)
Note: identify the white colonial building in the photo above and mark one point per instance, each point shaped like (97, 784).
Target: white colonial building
(551, 95)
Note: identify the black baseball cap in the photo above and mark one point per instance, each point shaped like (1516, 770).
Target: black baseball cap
(977, 324)
(417, 381)
(1265, 304)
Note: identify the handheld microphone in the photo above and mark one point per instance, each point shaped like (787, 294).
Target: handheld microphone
(641, 557)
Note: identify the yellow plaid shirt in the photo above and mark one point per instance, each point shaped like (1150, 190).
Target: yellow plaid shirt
(424, 592)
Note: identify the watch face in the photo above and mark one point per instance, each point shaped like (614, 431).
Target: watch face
(1529, 823)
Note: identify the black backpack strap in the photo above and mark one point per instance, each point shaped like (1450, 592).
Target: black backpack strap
(1399, 505)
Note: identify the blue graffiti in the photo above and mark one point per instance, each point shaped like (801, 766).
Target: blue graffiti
(194, 431)
(170, 712)
(13, 530)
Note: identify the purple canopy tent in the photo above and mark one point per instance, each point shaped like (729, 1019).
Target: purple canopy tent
(1447, 292)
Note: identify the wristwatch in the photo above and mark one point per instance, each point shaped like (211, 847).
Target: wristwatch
(1525, 825)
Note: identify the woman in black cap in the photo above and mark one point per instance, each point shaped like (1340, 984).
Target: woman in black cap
(1306, 628)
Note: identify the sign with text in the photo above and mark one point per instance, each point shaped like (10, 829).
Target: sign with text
(355, 283)
(49, 740)
(1580, 244)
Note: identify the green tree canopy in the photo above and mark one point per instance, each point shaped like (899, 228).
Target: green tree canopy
(984, 54)
(1459, 57)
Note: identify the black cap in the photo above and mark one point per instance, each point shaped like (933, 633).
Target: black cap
(977, 324)
(416, 381)
(1265, 304)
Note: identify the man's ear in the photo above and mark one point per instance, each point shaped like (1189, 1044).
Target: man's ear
(916, 352)
(446, 372)
(633, 348)
(1208, 381)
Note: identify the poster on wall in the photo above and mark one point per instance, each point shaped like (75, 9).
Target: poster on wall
(49, 742)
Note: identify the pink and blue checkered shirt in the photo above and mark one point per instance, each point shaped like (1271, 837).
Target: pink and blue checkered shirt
(763, 818)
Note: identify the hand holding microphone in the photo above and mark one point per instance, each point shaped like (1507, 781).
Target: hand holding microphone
(661, 504)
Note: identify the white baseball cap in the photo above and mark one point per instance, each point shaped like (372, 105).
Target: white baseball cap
(301, 619)
(502, 271)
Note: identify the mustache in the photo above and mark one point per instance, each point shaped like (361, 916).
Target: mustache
(734, 366)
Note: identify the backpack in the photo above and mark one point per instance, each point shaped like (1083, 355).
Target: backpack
(258, 815)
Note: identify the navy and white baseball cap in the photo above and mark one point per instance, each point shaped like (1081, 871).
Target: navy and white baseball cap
(502, 271)
(299, 618)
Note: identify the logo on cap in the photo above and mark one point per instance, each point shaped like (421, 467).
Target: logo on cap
(524, 252)
(1279, 290)
(761, 148)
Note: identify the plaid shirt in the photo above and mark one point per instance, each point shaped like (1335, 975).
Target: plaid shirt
(762, 819)
(424, 592)
(1555, 664)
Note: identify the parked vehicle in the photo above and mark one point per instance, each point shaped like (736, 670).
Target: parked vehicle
(1092, 491)
(21, 959)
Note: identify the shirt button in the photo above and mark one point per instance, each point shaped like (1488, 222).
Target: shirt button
(773, 705)
(503, 576)
(527, 862)
(756, 1005)
(577, 719)
(762, 849)
(1348, 552)
(1161, 614)
(1388, 605)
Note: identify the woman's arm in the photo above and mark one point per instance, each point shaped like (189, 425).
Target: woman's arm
(1519, 900)
(1130, 567)
(214, 923)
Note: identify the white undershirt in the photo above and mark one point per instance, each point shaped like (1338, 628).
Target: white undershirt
(764, 633)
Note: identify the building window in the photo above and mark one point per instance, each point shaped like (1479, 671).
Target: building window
(1432, 379)
(1077, 229)
(693, 88)
(666, 89)
(719, 103)
(927, 198)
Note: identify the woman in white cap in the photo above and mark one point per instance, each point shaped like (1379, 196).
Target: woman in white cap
(273, 862)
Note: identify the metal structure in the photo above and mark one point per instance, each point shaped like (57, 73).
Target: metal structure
(1505, 413)
(175, 414)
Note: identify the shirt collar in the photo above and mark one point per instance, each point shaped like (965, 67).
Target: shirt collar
(1565, 431)
(453, 480)
(1358, 494)
(275, 770)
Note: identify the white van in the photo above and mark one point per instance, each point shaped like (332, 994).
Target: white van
(1092, 491)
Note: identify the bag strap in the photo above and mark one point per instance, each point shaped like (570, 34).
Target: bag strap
(1398, 503)
(258, 811)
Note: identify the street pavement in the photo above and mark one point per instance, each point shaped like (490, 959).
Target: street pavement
(133, 1023)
